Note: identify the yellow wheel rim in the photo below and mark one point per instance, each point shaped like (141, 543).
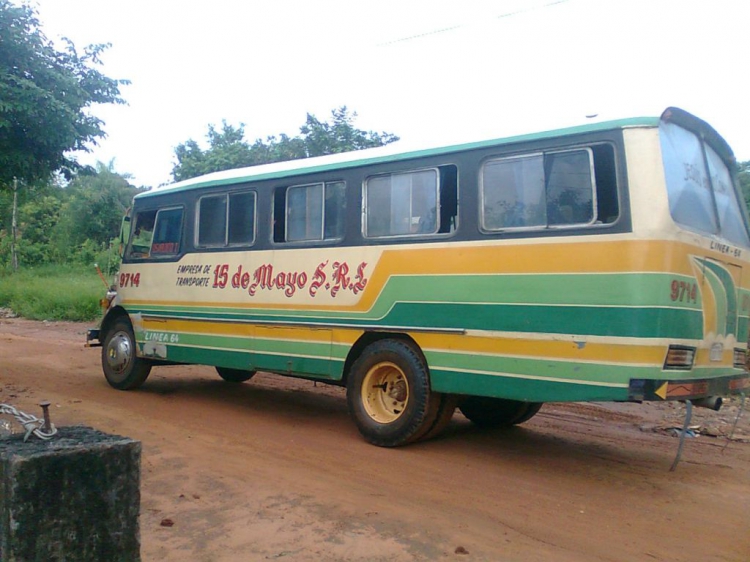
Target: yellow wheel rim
(385, 392)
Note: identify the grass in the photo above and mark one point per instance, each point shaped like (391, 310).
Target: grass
(52, 292)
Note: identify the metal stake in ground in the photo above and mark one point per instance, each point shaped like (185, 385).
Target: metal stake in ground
(688, 416)
(43, 429)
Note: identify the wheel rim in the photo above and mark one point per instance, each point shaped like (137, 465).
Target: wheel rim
(385, 392)
(119, 353)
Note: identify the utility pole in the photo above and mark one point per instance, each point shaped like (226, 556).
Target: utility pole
(14, 226)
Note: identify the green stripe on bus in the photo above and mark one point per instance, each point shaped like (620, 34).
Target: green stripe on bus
(538, 367)
(529, 390)
(742, 329)
(219, 357)
(314, 367)
(543, 319)
(729, 293)
(612, 289)
(261, 345)
(583, 320)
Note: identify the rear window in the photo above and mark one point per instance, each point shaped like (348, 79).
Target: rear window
(701, 192)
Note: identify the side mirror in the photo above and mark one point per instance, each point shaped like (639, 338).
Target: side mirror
(124, 232)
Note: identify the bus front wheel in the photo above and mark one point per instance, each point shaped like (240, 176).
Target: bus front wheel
(234, 375)
(123, 369)
(490, 413)
(389, 396)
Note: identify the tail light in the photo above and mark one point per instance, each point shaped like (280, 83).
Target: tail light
(680, 357)
(740, 358)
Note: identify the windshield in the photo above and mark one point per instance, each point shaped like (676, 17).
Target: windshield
(701, 193)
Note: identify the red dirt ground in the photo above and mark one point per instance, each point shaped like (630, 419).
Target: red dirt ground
(274, 469)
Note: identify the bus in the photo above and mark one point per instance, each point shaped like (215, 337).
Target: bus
(602, 262)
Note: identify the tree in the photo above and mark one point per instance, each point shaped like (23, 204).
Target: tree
(93, 210)
(37, 219)
(36, 211)
(339, 135)
(45, 95)
(227, 148)
(74, 223)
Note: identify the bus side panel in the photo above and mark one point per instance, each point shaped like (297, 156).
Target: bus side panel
(564, 319)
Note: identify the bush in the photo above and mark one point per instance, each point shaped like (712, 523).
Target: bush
(52, 292)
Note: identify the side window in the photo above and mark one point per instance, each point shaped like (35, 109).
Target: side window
(304, 213)
(212, 220)
(310, 212)
(226, 219)
(241, 218)
(417, 203)
(570, 188)
(143, 232)
(513, 193)
(167, 233)
(156, 234)
(550, 190)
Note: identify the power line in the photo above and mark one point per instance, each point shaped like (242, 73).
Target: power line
(459, 26)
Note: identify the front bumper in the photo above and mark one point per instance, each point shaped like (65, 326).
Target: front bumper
(92, 338)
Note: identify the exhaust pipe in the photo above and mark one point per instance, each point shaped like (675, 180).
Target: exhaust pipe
(711, 402)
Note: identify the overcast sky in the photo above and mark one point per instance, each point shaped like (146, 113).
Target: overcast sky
(430, 71)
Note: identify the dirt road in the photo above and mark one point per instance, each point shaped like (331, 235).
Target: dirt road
(274, 469)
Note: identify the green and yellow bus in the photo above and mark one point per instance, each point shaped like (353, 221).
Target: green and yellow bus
(604, 262)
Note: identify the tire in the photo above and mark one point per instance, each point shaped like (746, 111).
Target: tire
(490, 413)
(532, 410)
(234, 375)
(446, 410)
(388, 393)
(122, 367)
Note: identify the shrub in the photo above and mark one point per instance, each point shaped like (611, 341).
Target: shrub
(52, 292)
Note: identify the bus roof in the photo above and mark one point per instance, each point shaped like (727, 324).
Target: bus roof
(390, 153)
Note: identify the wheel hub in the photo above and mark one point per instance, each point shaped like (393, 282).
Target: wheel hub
(119, 352)
(385, 392)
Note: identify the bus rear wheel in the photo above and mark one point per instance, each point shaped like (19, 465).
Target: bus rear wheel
(234, 375)
(446, 410)
(122, 367)
(389, 396)
(490, 413)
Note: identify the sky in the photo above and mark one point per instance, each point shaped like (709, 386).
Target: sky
(430, 71)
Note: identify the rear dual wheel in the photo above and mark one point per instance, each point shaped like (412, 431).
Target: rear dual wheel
(490, 413)
(234, 375)
(389, 396)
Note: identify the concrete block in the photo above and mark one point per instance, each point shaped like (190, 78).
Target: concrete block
(73, 498)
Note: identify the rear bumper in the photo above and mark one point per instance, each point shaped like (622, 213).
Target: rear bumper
(649, 389)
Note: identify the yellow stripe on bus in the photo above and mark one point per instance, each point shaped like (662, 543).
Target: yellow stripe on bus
(507, 347)
(548, 349)
(601, 256)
